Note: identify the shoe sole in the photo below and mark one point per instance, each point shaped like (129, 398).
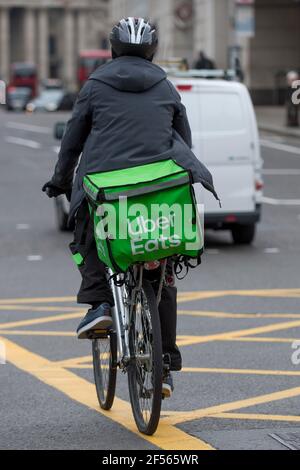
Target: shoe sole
(101, 323)
(166, 390)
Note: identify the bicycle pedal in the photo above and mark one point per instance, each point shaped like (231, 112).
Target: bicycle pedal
(98, 334)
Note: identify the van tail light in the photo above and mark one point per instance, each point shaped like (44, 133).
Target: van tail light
(259, 185)
(230, 219)
(184, 87)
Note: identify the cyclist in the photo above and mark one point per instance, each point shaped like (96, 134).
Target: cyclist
(127, 114)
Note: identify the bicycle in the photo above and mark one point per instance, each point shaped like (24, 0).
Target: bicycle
(134, 345)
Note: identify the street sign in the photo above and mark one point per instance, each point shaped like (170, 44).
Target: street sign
(245, 18)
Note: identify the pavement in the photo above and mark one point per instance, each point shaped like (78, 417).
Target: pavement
(238, 320)
(273, 119)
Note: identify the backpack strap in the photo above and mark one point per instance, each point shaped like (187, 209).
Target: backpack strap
(84, 236)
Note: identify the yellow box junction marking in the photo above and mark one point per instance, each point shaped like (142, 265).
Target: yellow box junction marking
(80, 390)
(256, 316)
(85, 362)
(257, 417)
(168, 437)
(182, 296)
(182, 416)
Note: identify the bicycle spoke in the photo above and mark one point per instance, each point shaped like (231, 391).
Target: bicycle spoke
(143, 348)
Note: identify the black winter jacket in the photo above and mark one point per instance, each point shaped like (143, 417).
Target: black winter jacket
(127, 114)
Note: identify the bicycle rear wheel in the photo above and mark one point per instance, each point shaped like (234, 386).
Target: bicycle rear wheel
(105, 368)
(146, 369)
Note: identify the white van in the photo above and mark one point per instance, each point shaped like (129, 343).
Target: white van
(225, 138)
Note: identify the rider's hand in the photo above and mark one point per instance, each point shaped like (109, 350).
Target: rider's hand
(53, 191)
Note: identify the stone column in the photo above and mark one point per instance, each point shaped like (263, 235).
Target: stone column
(4, 44)
(69, 49)
(43, 49)
(82, 30)
(165, 21)
(212, 30)
(29, 33)
(204, 32)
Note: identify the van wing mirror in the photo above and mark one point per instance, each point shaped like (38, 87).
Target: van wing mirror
(59, 130)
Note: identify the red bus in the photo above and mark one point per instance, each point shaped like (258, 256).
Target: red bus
(89, 60)
(24, 75)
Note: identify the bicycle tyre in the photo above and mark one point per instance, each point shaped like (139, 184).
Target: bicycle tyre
(105, 375)
(147, 426)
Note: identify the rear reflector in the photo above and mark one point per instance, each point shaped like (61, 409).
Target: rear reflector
(184, 87)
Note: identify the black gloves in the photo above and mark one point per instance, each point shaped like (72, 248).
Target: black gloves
(53, 191)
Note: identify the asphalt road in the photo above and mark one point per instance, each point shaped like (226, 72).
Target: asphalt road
(238, 317)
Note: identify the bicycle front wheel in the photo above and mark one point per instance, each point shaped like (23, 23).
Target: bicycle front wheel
(146, 369)
(105, 369)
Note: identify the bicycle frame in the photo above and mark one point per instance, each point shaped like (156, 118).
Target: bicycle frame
(121, 312)
(120, 321)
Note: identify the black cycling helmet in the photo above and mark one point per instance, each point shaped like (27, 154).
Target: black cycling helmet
(134, 37)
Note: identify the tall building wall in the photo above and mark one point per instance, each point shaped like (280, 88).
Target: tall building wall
(275, 49)
(50, 33)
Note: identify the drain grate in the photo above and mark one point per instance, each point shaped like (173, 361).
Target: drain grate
(291, 440)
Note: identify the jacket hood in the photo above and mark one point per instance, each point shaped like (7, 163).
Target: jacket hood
(131, 74)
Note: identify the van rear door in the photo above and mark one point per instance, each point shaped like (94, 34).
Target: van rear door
(222, 140)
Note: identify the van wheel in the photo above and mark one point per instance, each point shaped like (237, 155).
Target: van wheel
(243, 234)
(61, 216)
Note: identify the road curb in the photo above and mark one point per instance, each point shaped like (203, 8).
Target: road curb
(279, 130)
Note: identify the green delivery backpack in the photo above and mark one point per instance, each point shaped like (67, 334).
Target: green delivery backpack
(144, 213)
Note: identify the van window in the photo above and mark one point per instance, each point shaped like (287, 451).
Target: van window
(221, 112)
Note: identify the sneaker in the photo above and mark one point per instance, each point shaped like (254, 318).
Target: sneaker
(167, 385)
(95, 319)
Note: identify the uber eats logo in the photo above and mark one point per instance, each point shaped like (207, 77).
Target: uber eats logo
(146, 229)
(158, 230)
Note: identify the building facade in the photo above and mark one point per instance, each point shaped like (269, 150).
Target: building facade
(50, 34)
(188, 26)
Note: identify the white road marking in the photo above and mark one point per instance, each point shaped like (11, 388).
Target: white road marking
(280, 202)
(23, 227)
(28, 127)
(277, 146)
(34, 258)
(282, 171)
(272, 251)
(24, 142)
